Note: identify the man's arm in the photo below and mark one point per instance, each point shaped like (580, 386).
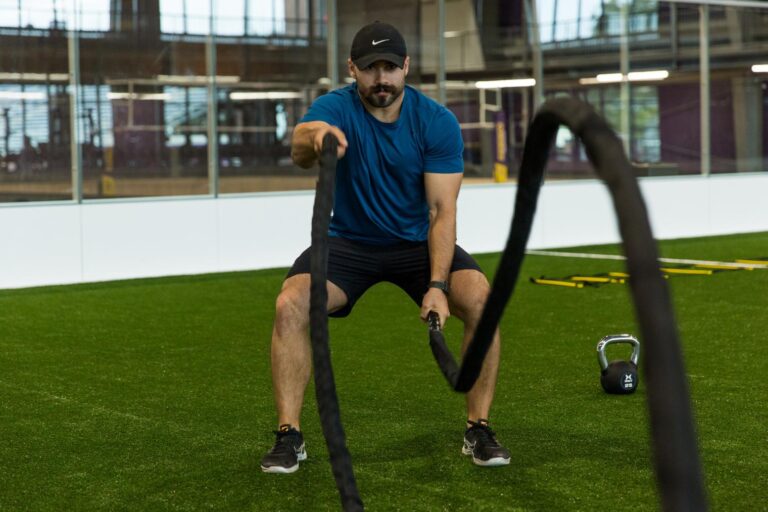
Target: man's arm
(307, 142)
(442, 190)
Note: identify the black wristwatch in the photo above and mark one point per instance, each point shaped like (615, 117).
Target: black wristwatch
(440, 285)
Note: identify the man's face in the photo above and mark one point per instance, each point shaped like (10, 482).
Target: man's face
(381, 83)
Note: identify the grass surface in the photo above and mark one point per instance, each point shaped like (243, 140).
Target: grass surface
(156, 395)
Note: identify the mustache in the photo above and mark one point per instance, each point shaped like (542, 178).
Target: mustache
(382, 88)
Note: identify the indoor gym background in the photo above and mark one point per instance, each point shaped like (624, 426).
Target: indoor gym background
(154, 393)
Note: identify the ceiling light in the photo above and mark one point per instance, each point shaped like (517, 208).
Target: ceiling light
(633, 76)
(648, 76)
(609, 78)
(499, 84)
(197, 79)
(265, 95)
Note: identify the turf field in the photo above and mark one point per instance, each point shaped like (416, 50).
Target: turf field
(155, 395)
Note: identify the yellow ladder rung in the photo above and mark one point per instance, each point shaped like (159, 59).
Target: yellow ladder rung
(618, 274)
(688, 271)
(597, 279)
(753, 262)
(591, 279)
(555, 282)
(721, 267)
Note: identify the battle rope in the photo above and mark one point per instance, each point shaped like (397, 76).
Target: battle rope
(678, 469)
(325, 387)
(676, 456)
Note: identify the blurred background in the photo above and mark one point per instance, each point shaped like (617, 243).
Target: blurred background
(108, 99)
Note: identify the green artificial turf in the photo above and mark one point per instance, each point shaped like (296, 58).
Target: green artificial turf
(156, 395)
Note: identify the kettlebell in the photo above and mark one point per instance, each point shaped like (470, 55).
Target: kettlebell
(618, 377)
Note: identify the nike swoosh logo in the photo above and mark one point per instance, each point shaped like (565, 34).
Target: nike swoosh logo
(374, 43)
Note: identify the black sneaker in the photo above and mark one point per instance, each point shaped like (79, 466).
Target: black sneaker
(289, 449)
(480, 442)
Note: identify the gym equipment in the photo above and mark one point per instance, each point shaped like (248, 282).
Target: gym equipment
(673, 437)
(556, 282)
(325, 386)
(618, 377)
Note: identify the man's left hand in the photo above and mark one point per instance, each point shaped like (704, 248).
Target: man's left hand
(435, 300)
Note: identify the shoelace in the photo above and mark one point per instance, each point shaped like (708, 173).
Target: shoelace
(482, 430)
(283, 443)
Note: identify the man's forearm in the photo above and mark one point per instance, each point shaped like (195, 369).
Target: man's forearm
(442, 243)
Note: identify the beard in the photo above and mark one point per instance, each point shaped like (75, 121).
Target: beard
(382, 96)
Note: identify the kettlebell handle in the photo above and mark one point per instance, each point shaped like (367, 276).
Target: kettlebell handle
(617, 338)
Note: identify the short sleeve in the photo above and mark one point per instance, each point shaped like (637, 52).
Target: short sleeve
(328, 108)
(444, 151)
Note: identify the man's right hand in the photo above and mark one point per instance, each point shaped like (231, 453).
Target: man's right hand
(320, 135)
(307, 142)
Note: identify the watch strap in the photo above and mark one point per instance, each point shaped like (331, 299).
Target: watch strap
(440, 285)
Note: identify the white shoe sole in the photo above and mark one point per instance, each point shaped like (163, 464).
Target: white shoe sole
(302, 455)
(496, 461)
(280, 469)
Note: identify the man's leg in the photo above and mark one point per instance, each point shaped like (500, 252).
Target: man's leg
(291, 368)
(469, 292)
(291, 351)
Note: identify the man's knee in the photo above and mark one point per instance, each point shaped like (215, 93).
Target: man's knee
(291, 311)
(469, 294)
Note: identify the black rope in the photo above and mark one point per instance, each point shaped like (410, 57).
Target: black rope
(676, 458)
(325, 388)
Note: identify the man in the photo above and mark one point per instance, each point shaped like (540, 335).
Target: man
(394, 219)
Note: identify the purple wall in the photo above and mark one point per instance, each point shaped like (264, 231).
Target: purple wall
(679, 126)
(510, 14)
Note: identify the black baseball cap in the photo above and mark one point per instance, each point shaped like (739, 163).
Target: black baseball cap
(378, 41)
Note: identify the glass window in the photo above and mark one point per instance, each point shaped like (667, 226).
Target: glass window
(229, 17)
(233, 17)
(646, 144)
(23, 122)
(34, 137)
(9, 13)
(36, 14)
(172, 16)
(562, 20)
(186, 16)
(94, 15)
(198, 16)
(266, 17)
(567, 21)
(545, 9)
(590, 18)
(611, 103)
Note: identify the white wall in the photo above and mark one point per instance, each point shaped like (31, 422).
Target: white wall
(60, 243)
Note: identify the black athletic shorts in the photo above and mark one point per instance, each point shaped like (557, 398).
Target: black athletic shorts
(355, 266)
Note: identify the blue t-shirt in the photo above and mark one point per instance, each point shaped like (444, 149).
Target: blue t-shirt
(380, 197)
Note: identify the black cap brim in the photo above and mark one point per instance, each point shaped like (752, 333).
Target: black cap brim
(364, 62)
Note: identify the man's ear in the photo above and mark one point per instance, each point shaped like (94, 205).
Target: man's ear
(406, 65)
(351, 68)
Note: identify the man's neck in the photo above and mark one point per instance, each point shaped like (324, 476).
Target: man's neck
(388, 114)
